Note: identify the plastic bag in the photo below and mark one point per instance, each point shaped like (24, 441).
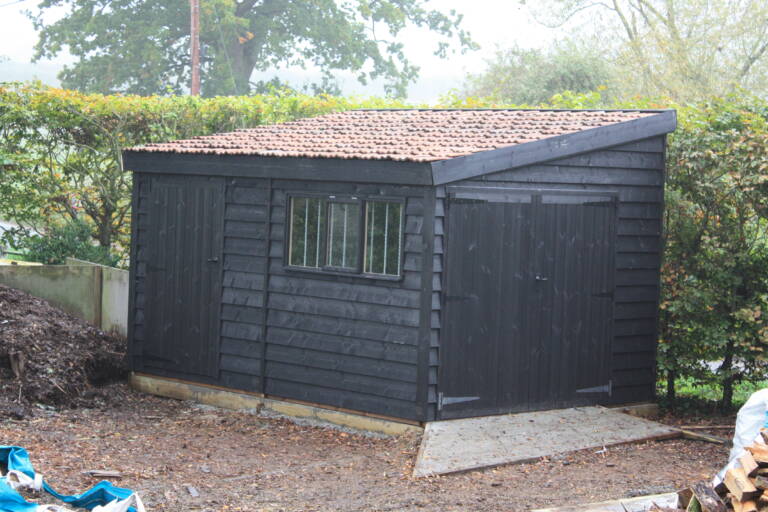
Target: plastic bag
(752, 416)
(104, 496)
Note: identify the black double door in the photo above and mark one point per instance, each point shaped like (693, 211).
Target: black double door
(183, 279)
(528, 301)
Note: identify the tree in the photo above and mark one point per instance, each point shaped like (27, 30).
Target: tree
(533, 76)
(142, 47)
(715, 275)
(684, 49)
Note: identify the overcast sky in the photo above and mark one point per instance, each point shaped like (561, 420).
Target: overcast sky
(492, 23)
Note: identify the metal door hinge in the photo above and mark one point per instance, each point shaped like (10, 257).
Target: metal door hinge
(448, 400)
(608, 388)
(465, 200)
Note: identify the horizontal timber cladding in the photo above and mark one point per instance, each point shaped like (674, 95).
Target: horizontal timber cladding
(635, 173)
(343, 340)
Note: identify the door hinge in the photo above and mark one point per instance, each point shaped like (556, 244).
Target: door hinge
(608, 388)
(466, 200)
(443, 400)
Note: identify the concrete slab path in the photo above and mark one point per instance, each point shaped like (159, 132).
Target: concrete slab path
(639, 504)
(472, 443)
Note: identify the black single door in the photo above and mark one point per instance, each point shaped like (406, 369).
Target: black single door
(184, 275)
(528, 302)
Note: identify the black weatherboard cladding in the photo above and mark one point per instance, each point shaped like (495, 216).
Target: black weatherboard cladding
(635, 173)
(374, 345)
(346, 341)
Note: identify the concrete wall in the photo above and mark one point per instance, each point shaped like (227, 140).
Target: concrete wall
(114, 300)
(97, 294)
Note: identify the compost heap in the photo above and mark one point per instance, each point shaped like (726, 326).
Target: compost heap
(50, 358)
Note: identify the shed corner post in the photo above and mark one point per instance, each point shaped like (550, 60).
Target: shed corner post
(425, 317)
(132, 269)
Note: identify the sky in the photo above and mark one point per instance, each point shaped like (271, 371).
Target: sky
(492, 23)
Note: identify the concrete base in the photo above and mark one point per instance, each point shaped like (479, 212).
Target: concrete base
(228, 399)
(643, 410)
(639, 504)
(473, 443)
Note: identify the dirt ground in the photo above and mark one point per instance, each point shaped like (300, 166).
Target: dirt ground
(240, 461)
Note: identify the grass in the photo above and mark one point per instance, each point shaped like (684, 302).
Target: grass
(14, 256)
(697, 398)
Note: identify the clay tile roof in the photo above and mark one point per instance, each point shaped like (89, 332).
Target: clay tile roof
(406, 135)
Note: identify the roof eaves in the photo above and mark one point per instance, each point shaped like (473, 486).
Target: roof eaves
(289, 168)
(552, 148)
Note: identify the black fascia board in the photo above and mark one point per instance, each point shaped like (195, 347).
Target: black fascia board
(553, 148)
(251, 166)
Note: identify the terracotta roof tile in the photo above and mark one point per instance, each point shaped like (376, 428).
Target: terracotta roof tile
(412, 135)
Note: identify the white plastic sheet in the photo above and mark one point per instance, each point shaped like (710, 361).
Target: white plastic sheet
(752, 416)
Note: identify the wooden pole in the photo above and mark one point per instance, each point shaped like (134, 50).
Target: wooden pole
(195, 46)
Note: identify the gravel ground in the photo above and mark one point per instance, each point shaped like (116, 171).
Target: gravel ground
(240, 461)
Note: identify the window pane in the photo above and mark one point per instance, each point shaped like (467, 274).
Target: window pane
(383, 237)
(343, 235)
(306, 230)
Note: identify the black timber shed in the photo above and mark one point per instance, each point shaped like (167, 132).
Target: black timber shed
(416, 264)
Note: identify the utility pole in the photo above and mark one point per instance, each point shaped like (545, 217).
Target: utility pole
(194, 33)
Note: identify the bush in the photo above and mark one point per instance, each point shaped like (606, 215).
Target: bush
(70, 240)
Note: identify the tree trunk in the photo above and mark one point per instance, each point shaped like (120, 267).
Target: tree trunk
(728, 379)
(671, 391)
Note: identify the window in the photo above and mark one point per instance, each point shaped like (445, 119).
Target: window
(383, 230)
(347, 235)
(343, 235)
(306, 228)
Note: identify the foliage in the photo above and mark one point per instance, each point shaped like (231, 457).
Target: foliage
(685, 49)
(142, 47)
(60, 150)
(69, 240)
(533, 76)
(715, 274)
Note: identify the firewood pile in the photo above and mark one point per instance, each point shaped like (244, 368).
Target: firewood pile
(743, 489)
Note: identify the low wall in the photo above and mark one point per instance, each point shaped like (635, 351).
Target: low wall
(97, 294)
(114, 300)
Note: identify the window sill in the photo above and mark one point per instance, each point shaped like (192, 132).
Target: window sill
(355, 275)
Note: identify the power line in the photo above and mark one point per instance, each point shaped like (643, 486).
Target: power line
(12, 3)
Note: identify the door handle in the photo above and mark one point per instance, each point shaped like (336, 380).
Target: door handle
(213, 260)
(542, 278)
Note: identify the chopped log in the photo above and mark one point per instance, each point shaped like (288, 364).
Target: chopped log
(744, 506)
(759, 453)
(748, 464)
(739, 485)
(684, 497)
(761, 482)
(708, 500)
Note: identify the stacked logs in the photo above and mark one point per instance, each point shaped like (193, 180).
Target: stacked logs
(744, 486)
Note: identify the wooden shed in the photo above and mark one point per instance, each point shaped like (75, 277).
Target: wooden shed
(415, 264)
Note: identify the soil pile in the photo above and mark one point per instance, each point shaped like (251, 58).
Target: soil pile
(52, 358)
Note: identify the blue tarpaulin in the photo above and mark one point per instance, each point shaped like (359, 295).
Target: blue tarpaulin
(17, 459)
